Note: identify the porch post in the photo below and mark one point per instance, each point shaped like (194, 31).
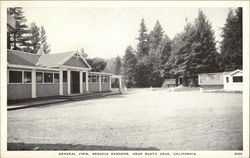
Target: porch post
(69, 82)
(33, 83)
(87, 81)
(110, 83)
(120, 83)
(81, 88)
(61, 82)
(100, 83)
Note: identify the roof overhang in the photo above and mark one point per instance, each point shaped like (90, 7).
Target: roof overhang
(101, 73)
(66, 67)
(31, 67)
(236, 71)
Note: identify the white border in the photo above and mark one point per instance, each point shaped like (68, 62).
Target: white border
(139, 4)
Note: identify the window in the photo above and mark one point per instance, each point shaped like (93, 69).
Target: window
(39, 77)
(97, 78)
(93, 78)
(89, 78)
(27, 77)
(105, 78)
(15, 76)
(56, 77)
(102, 78)
(83, 77)
(227, 79)
(237, 79)
(64, 76)
(48, 77)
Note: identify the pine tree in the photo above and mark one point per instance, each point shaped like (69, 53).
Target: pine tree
(203, 50)
(44, 43)
(156, 45)
(231, 45)
(143, 70)
(194, 51)
(166, 60)
(128, 67)
(33, 39)
(181, 53)
(118, 65)
(18, 36)
(156, 37)
(143, 46)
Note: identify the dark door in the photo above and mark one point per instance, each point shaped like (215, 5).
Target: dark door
(180, 80)
(75, 82)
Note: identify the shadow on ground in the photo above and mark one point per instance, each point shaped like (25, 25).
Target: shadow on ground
(31, 147)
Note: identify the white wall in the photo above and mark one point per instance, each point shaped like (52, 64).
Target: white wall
(233, 86)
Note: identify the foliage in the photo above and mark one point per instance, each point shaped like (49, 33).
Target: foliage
(24, 38)
(118, 65)
(43, 41)
(143, 45)
(128, 67)
(192, 52)
(231, 45)
(97, 64)
(33, 42)
(17, 37)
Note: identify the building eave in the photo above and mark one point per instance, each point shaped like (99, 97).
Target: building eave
(30, 67)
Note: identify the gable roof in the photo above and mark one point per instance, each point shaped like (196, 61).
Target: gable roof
(235, 71)
(21, 58)
(46, 60)
(52, 59)
(232, 72)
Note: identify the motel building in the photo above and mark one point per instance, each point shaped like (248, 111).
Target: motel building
(46, 75)
(229, 81)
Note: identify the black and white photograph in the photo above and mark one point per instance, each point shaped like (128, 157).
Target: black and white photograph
(126, 79)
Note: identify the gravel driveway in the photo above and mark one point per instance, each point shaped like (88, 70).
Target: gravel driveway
(141, 119)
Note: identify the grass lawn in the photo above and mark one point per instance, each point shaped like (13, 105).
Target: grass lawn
(141, 120)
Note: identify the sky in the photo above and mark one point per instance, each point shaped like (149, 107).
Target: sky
(106, 32)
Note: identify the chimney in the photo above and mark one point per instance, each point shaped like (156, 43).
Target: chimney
(40, 51)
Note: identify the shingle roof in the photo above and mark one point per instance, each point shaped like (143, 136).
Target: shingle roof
(46, 60)
(232, 72)
(52, 59)
(21, 58)
(29, 59)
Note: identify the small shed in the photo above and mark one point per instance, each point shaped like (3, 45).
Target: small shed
(170, 82)
(211, 80)
(233, 80)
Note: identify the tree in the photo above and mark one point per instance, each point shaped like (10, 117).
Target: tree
(97, 64)
(143, 70)
(33, 39)
(118, 65)
(83, 53)
(156, 37)
(18, 36)
(181, 56)
(43, 40)
(128, 67)
(231, 45)
(203, 49)
(143, 46)
(156, 43)
(194, 51)
(166, 60)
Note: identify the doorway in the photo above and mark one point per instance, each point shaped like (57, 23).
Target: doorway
(75, 82)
